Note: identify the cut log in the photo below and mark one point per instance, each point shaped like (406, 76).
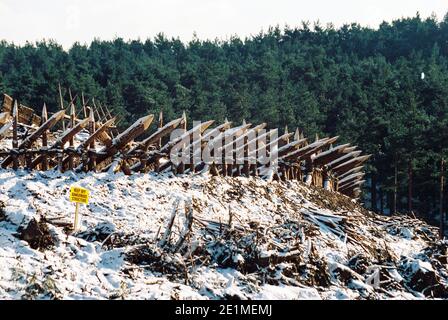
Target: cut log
(350, 164)
(342, 175)
(156, 136)
(120, 141)
(342, 159)
(27, 143)
(330, 155)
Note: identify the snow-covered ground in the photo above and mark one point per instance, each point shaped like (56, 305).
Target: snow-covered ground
(230, 238)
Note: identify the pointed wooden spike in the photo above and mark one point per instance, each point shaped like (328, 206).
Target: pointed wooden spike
(184, 119)
(61, 104)
(15, 110)
(161, 118)
(72, 109)
(297, 135)
(350, 149)
(44, 113)
(96, 133)
(332, 140)
(244, 121)
(91, 115)
(146, 121)
(120, 141)
(15, 141)
(317, 137)
(286, 129)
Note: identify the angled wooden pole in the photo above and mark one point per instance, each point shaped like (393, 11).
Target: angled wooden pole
(15, 141)
(110, 116)
(92, 158)
(72, 140)
(122, 140)
(83, 104)
(246, 166)
(181, 167)
(61, 104)
(44, 138)
(160, 127)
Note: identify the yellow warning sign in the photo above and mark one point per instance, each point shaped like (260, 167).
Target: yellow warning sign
(79, 194)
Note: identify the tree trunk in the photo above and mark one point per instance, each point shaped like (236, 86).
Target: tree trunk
(373, 195)
(394, 201)
(410, 186)
(380, 194)
(442, 212)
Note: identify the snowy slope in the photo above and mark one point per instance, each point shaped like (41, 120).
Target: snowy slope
(238, 238)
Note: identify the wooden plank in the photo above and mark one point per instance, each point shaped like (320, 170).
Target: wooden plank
(44, 139)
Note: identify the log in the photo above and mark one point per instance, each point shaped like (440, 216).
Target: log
(61, 141)
(15, 141)
(351, 177)
(330, 155)
(71, 139)
(309, 149)
(120, 141)
(157, 136)
(342, 159)
(350, 164)
(27, 143)
(290, 147)
(342, 175)
(44, 140)
(351, 185)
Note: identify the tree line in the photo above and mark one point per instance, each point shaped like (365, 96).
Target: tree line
(384, 90)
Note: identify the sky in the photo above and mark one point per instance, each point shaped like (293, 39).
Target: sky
(69, 21)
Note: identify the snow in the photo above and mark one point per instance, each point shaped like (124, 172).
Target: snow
(137, 209)
(270, 292)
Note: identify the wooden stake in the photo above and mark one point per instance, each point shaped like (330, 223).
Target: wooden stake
(160, 127)
(15, 142)
(91, 146)
(44, 138)
(83, 104)
(442, 212)
(75, 223)
(181, 167)
(61, 103)
(72, 140)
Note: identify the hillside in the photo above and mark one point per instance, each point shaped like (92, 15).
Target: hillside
(202, 237)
